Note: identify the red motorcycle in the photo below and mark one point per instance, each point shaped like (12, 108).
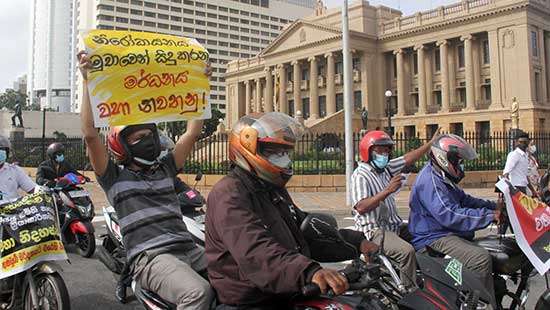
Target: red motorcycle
(76, 212)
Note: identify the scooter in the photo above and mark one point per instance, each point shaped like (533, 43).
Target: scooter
(76, 212)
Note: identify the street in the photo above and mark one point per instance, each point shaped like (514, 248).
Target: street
(91, 285)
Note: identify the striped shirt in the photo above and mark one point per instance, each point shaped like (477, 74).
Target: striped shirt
(367, 182)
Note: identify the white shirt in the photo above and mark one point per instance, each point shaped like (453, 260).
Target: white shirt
(367, 182)
(517, 166)
(13, 178)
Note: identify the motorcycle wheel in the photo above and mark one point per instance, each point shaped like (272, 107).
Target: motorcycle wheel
(86, 244)
(51, 291)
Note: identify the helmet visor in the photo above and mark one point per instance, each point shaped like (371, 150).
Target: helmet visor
(273, 127)
(454, 144)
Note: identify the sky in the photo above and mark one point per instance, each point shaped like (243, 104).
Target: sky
(14, 31)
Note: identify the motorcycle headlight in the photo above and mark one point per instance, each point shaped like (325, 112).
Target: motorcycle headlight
(85, 211)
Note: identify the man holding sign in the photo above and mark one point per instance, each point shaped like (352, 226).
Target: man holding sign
(162, 254)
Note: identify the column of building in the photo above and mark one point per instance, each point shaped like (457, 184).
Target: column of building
(313, 88)
(420, 50)
(443, 56)
(296, 84)
(469, 64)
(331, 94)
(400, 82)
(268, 89)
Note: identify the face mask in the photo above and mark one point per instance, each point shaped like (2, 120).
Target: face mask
(522, 146)
(59, 158)
(281, 160)
(380, 161)
(533, 149)
(145, 151)
(3, 157)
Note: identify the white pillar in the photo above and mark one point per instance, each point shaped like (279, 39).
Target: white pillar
(400, 82)
(469, 63)
(443, 56)
(421, 79)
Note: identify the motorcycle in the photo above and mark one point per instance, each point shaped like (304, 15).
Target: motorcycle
(76, 213)
(39, 287)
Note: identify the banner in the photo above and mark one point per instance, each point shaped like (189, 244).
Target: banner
(530, 219)
(141, 77)
(29, 234)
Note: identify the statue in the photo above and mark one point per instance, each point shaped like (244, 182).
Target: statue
(17, 114)
(364, 117)
(514, 113)
(299, 117)
(320, 8)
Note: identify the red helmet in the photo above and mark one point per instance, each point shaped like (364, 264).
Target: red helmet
(448, 152)
(116, 140)
(373, 138)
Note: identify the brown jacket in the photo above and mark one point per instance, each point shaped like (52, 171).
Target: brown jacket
(254, 247)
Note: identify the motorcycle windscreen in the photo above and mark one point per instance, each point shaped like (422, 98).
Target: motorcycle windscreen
(453, 274)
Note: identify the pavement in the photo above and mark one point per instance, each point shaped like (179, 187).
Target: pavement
(91, 285)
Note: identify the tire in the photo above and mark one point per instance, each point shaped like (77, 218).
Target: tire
(85, 244)
(52, 293)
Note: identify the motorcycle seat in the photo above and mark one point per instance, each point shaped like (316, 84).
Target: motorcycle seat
(150, 297)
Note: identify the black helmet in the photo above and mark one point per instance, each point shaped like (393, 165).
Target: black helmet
(54, 149)
(448, 152)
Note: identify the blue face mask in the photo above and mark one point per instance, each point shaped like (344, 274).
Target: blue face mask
(380, 161)
(3, 156)
(60, 158)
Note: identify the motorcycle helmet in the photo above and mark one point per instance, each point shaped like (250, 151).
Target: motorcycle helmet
(118, 145)
(54, 150)
(369, 141)
(260, 143)
(448, 152)
(544, 301)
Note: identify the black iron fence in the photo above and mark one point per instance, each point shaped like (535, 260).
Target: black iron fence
(314, 153)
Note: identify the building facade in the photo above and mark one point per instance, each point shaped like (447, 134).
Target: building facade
(50, 54)
(458, 67)
(229, 29)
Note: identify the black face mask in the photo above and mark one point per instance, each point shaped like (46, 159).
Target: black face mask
(145, 151)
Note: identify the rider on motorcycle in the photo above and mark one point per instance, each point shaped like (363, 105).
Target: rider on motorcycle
(55, 167)
(161, 252)
(443, 216)
(12, 177)
(373, 186)
(257, 255)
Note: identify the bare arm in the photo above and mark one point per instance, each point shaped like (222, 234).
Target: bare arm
(414, 155)
(368, 204)
(185, 143)
(96, 149)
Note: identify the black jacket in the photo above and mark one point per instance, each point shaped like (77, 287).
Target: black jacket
(48, 171)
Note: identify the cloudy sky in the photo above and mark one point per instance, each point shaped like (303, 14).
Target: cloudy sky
(14, 31)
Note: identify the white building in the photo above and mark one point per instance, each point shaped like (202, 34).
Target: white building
(229, 29)
(50, 53)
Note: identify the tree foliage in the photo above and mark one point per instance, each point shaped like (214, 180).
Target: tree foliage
(9, 98)
(176, 129)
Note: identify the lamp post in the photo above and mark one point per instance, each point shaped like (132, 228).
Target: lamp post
(388, 95)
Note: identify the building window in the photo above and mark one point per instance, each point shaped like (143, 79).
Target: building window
(136, 12)
(322, 106)
(150, 4)
(150, 14)
(438, 98)
(415, 63)
(535, 43)
(356, 64)
(394, 62)
(431, 130)
(487, 93)
(339, 67)
(122, 20)
(357, 100)
(305, 108)
(483, 130)
(462, 96)
(305, 74)
(461, 59)
(457, 129)
(486, 54)
(437, 60)
(291, 108)
(339, 102)
(410, 131)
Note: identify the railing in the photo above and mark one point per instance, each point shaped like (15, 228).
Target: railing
(314, 153)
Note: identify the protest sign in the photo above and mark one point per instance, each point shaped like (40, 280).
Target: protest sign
(530, 219)
(29, 234)
(141, 77)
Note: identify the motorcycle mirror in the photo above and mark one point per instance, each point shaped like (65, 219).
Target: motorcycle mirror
(198, 177)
